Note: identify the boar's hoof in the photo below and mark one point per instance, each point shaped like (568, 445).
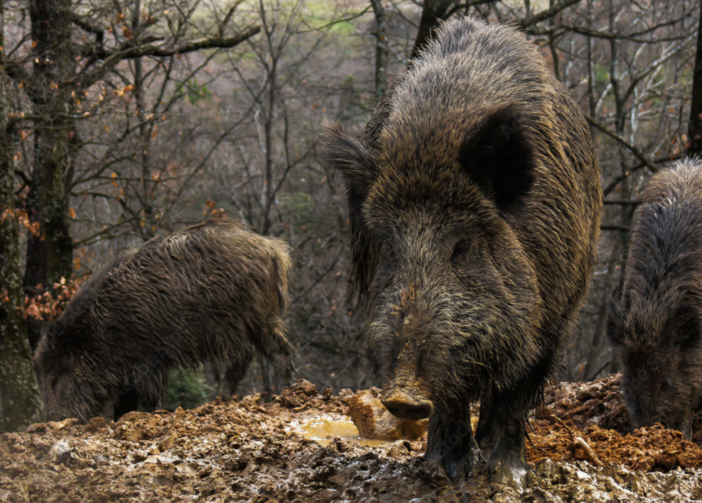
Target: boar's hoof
(451, 444)
(510, 474)
(405, 405)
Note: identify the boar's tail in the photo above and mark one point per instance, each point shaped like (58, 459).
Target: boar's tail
(278, 349)
(282, 264)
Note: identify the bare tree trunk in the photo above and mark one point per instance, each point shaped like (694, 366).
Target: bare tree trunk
(551, 42)
(591, 100)
(268, 113)
(694, 131)
(20, 402)
(601, 322)
(381, 48)
(433, 12)
(147, 218)
(50, 253)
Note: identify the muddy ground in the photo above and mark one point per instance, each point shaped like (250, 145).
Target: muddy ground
(245, 450)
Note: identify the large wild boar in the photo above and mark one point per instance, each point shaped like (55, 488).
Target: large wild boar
(474, 203)
(212, 292)
(655, 329)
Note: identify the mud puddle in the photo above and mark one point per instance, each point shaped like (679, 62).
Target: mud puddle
(323, 429)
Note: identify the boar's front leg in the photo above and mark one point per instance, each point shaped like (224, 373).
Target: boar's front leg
(237, 367)
(451, 444)
(501, 431)
(501, 428)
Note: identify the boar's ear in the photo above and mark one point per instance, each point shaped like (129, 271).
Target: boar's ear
(615, 323)
(349, 156)
(358, 169)
(500, 158)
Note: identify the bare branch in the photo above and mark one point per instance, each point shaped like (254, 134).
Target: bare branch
(617, 179)
(546, 14)
(86, 25)
(634, 149)
(132, 51)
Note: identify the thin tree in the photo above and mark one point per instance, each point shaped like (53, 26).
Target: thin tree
(20, 403)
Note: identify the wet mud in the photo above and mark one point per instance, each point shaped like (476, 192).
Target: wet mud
(302, 447)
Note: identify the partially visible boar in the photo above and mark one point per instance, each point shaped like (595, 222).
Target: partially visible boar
(474, 204)
(655, 328)
(212, 292)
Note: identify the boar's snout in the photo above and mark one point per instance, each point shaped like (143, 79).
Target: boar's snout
(406, 402)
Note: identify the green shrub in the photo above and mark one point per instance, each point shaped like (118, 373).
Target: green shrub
(187, 388)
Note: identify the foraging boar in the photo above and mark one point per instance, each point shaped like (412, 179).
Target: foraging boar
(655, 328)
(474, 204)
(210, 292)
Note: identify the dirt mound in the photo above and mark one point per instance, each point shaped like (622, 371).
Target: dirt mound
(596, 403)
(595, 412)
(250, 451)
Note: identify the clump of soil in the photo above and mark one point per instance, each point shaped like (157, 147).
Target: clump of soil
(585, 404)
(246, 450)
(375, 422)
(595, 413)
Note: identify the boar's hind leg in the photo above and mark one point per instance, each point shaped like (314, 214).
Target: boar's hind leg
(279, 352)
(237, 368)
(127, 401)
(501, 428)
(150, 388)
(451, 444)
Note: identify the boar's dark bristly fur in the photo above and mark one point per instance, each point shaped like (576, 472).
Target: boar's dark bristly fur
(474, 202)
(656, 328)
(212, 292)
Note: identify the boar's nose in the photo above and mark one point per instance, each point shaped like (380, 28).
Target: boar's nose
(407, 404)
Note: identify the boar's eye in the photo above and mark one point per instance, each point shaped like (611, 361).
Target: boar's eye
(461, 248)
(53, 383)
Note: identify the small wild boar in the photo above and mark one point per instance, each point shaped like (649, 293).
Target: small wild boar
(212, 292)
(474, 202)
(655, 329)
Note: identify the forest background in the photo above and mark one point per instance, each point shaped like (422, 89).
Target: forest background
(121, 121)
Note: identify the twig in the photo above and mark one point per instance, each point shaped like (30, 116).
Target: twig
(589, 453)
(615, 181)
(572, 437)
(634, 149)
(580, 442)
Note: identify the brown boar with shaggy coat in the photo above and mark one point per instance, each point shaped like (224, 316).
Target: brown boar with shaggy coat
(212, 292)
(655, 328)
(474, 203)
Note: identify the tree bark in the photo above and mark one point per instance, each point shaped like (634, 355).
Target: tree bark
(20, 401)
(694, 131)
(147, 223)
(50, 252)
(433, 12)
(381, 49)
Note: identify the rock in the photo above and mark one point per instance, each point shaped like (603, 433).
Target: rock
(60, 452)
(374, 421)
